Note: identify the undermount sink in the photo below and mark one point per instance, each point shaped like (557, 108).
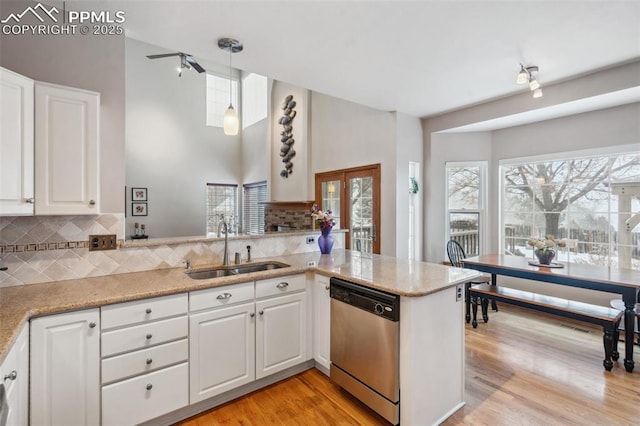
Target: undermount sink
(225, 271)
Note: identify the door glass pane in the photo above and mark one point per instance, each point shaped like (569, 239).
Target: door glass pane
(331, 199)
(361, 214)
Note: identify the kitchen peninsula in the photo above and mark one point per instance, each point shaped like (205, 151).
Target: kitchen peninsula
(431, 366)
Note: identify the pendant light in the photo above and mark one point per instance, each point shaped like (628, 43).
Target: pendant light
(230, 122)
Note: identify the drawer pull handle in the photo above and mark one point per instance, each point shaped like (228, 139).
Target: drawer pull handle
(148, 311)
(149, 336)
(30, 200)
(11, 376)
(252, 314)
(149, 386)
(149, 361)
(92, 324)
(261, 312)
(224, 296)
(282, 285)
(326, 287)
(92, 202)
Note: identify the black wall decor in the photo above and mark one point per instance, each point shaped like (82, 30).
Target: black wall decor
(286, 151)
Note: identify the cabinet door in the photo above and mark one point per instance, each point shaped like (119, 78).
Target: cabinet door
(15, 374)
(66, 147)
(222, 350)
(280, 333)
(65, 369)
(321, 321)
(16, 144)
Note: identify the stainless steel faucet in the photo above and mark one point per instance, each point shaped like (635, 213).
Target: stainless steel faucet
(224, 224)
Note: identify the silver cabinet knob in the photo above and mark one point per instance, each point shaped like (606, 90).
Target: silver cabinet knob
(149, 386)
(282, 285)
(252, 314)
(224, 296)
(149, 361)
(11, 376)
(261, 312)
(148, 311)
(149, 336)
(326, 287)
(30, 200)
(92, 324)
(92, 202)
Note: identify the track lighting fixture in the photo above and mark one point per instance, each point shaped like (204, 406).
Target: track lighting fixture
(526, 76)
(230, 122)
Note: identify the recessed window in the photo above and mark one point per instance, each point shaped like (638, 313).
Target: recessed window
(253, 210)
(585, 201)
(218, 98)
(466, 184)
(254, 99)
(222, 204)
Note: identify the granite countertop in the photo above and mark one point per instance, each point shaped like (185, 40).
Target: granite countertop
(403, 277)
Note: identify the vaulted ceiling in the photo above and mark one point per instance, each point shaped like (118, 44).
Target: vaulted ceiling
(421, 57)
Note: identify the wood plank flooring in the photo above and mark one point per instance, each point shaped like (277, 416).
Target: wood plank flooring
(522, 368)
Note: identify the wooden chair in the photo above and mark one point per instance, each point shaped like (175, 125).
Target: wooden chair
(456, 255)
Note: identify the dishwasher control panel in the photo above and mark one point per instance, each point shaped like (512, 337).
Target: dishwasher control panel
(374, 301)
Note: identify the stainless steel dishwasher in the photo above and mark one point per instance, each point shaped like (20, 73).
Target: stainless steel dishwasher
(365, 346)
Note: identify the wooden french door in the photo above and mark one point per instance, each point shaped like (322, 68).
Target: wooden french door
(353, 195)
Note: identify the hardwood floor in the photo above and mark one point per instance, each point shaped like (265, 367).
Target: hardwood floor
(522, 368)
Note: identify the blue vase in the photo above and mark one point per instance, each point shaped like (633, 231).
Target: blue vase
(545, 256)
(325, 241)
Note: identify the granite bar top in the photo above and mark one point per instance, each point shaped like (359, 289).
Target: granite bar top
(402, 277)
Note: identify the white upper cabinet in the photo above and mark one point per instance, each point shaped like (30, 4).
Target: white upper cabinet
(16, 144)
(66, 147)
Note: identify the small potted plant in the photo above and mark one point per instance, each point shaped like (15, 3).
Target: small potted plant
(544, 249)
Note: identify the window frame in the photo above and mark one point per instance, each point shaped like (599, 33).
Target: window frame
(260, 207)
(481, 211)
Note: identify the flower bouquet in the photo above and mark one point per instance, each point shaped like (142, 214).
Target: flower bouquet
(544, 249)
(326, 222)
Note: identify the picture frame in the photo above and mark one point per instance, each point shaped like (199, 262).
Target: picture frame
(138, 194)
(138, 209)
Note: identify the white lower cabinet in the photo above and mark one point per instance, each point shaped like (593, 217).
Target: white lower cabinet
(14, 373)
(222, 343)
(321, 321)
(142, 398)
(65, 369)
(281, 332)
(145, 352)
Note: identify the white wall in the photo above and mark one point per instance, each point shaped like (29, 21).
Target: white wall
(346, 135)
(294, 187)
(169, 148)
(88, 62)
(409, 148)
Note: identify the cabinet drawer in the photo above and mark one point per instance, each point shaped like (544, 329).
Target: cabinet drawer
(144, 335)
(220, 296)
(144, 361)
(140, 311)
(143, 398)
(280, 285)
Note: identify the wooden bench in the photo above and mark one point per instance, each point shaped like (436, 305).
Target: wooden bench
(608, 318)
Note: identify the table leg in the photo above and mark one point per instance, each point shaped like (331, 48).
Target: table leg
(629, 319)
(494, 281)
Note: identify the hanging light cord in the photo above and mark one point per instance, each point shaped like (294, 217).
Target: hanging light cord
(230, 86)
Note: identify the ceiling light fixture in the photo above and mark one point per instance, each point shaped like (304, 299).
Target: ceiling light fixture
(230, 122)
(526, 76)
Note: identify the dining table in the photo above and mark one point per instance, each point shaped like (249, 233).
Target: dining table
(625, 282)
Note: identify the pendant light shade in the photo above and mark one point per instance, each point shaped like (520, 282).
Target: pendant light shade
(230, 122)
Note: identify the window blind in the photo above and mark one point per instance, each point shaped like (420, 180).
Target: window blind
(253, 214)
(222, 201)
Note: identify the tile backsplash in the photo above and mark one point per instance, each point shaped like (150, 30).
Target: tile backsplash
(52, 248)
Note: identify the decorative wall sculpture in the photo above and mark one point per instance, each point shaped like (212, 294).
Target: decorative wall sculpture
(286, 151)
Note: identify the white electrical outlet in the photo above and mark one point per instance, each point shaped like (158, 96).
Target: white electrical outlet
(311, 240)
(459, 292)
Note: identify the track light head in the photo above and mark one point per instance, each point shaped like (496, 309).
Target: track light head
(523, 75)
(533, 84)
(537, 93)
